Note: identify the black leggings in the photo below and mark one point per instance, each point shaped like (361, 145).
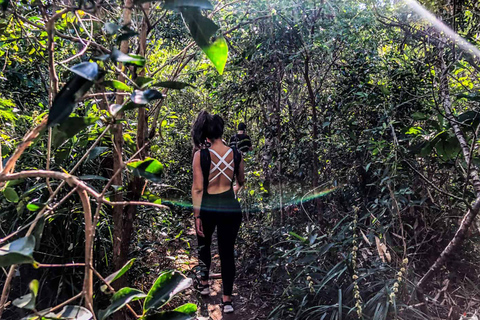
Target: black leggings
(221, 211)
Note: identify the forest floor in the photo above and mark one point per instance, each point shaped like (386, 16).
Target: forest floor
(248, 305)
(249, 300)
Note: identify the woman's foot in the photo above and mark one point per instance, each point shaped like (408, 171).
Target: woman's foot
(227, 305)
(204, 288)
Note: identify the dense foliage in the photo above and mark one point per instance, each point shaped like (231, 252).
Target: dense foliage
(362, 189)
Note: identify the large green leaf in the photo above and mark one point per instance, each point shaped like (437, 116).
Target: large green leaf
(111, 28)
(217, 52)
(4, 4)
(471, 97)
(165, 287)
(11, 195)
(119, 300)
(97, 151)
(65, 100)
(17, 252)
(170, 315)
(38, 230)
(172, 85)
(87, 70)
(74, 313)
(188, 308)
(179, 4)
(149, 168)
(28, 301)
(201, 28)
(70, 127)
(115, 84)
(117, 274)
(144, 97)
(127, 59)
(142, 82)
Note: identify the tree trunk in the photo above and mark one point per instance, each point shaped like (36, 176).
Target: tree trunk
(471, 214)
(119, 252)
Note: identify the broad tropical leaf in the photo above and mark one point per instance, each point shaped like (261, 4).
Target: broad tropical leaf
(149, 168)
(165, 287)
(117, 274)
(170, 315)
(127, 59)
(65, 101)
(17, 252)
(172, 85)
(28, 301)
(87, 70)
(217, 52)
(179, 4)
(144, 97)
(115, 84)
(119, 300)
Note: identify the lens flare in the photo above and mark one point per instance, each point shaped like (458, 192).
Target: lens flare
(440, 26)
(289, 200)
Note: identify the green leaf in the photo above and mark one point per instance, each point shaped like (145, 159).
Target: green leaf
(111, 28)
(116, 108)
(71, 313)
(149, 168)
(144, 97)
(65, 100)
(172, 85)
(201, 28)
(188, 308)
(28, 301)
(35, 206)
(471, 97)
(117, 274)
(165, 287)
(92, 177)
(179, 4)
(11, 195)
(38, 230)
(170, 315)
(127, 34)
(70, 127)
(299, 237)
(4, 4)
(96, 152)
(127, 59)
(119, 300)
(419, 116)
(217, 52)
(115, 84)
(142, 82)
(17, 252)
(87, 70)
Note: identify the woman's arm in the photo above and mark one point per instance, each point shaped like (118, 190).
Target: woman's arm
(197, 191)
(240, 177)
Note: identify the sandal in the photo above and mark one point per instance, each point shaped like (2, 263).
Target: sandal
(204, 289)
(227, 306)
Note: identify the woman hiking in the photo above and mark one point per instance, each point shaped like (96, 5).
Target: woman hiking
(215, 167)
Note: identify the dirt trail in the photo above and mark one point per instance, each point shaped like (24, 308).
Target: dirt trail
(247, 304)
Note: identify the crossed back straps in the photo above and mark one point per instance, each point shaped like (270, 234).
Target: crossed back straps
(206, 160)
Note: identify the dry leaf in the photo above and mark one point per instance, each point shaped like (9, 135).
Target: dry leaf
(382, 250)
(365, 238)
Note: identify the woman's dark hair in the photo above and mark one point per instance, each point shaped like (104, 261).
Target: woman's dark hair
(206, 126)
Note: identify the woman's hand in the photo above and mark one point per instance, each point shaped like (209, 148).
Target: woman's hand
(236, 188)
(199, 227)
